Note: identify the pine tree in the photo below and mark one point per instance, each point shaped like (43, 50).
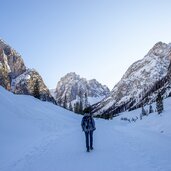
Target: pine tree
(36, 90)
(65, 102)
(86, 101)
(76, 107)
(143, 112)
(59, 101)
(80, 108)
(151, 109)
(80, 105)
(159, 103)
(70, 107)
(111, 116)
(4, 78)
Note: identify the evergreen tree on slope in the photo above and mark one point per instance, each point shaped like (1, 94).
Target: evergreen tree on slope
(36, 90)
(159, 103)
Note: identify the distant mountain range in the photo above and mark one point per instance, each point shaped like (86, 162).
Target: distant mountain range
(139, 86)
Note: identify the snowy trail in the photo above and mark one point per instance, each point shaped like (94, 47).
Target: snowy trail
(117, 148)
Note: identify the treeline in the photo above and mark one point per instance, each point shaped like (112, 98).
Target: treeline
(79, 105)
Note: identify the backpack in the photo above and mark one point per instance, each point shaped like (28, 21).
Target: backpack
(87, 124)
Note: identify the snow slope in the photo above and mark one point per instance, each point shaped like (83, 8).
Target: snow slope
(39, 136)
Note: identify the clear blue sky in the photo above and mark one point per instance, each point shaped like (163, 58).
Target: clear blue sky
(95, 38)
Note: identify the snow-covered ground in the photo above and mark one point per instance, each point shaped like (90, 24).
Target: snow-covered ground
(39, 136)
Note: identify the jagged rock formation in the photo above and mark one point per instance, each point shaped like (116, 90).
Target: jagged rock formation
(72, 89)
(16, 78)
(11, 64)
(136, 82)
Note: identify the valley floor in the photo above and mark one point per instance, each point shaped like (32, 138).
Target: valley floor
(118, 146)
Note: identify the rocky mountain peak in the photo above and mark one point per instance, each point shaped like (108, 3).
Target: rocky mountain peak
(3, 43)
(70, 77)
(15, 77)
(72, 89)
(160, 49)
(93, 81)
(14, 60)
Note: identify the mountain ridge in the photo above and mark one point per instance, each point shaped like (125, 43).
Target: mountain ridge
(137, 80)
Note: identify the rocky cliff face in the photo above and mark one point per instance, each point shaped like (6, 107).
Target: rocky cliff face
(162, 86)
(11, 64)
(16, 78)
(138, 79)
(4, 71)
(72, 89)
(14, 60)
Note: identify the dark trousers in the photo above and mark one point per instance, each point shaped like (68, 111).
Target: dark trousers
(89, 139)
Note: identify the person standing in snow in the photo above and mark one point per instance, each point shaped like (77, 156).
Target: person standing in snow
(88, 126)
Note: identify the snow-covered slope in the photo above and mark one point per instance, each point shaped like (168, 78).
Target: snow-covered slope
(138, 79)
(72, 89)
(28, 124)
(36, 135)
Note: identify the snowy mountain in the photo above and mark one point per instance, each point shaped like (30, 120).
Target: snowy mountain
(140, 77)
(162, 86)
(38, 135)
(72, 90)
(15, 77)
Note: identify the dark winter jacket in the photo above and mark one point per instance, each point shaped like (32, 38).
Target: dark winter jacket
(88, 124)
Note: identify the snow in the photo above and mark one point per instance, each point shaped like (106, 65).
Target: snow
(38, 135)
(90, 100)
(93, 100)
(53, 93)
